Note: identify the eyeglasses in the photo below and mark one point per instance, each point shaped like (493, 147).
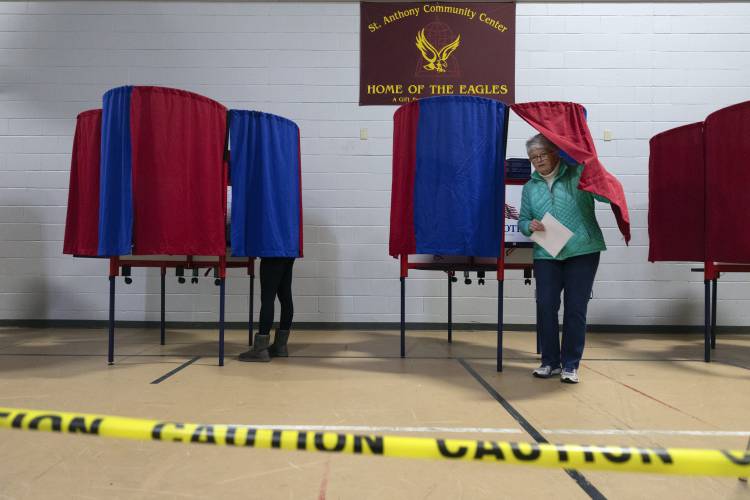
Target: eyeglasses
(539, 157)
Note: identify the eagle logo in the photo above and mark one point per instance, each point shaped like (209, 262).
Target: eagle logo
(437, 60)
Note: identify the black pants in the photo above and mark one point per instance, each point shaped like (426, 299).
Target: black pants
(275, 279)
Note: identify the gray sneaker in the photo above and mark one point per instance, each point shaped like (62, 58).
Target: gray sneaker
(569, 376)
(546, 371)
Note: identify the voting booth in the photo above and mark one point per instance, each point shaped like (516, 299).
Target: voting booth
(449, 197)
(696, 183)
(150, 173)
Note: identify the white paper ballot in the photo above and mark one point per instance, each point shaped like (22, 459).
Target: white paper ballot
(554, 237)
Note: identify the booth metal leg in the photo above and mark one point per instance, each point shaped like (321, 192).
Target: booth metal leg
(500, 325)
(111, 346)
(707, 322)
(162, 325)
(222, 283)
(450, 309)
(250, 318)
(538, 332)
(403, 316)
(713, 313)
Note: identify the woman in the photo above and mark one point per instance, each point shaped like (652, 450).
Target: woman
(553, 189)
(275, 279)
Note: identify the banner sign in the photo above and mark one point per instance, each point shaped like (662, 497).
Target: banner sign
(412, 50)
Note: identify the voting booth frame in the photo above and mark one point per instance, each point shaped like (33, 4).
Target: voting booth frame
(692, 168)
(119, 266)
(711, 274)
(470, 266)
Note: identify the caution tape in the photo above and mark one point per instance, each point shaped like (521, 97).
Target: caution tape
(682, 461)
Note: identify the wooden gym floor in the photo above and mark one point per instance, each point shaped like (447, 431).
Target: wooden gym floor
(647, 390)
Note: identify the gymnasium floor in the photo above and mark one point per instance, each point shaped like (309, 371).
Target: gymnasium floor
(636, 389)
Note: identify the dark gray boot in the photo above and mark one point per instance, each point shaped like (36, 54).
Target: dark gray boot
(259, 352)
(278, 348)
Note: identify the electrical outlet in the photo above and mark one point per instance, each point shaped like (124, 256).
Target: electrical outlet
(608, 135)
(363, 134)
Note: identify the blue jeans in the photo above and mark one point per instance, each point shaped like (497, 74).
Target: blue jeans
(574, 276)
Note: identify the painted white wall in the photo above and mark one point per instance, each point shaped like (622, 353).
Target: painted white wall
(639, 68)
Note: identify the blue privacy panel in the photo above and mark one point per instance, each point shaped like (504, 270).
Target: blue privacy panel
(115, 185)
(459, 182)
(265, 176)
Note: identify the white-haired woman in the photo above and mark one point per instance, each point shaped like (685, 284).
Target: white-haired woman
(553, 189)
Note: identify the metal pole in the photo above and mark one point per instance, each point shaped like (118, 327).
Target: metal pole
(163, 330)
(707, 323)
(713, 313)
(538, 331)
(221, 321)
(403, 316)
(111, 346)
(501, 257)
(450, 309)
(500, 325)
(250, 319)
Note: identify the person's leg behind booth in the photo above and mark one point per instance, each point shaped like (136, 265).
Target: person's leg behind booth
(549, 285)
(579, 273)
(271, 274)
(284, 292)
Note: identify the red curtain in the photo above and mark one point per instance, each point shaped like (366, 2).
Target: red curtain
(179, 179)
(405, 121)
(564, 123)
(727, 137)
(676, 195)
(82, 221)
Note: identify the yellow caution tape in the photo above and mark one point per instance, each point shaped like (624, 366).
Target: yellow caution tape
(611, 458)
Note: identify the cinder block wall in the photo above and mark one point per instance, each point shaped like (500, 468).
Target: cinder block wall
(639, 68)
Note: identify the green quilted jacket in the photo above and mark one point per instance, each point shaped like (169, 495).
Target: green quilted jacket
(568, 204)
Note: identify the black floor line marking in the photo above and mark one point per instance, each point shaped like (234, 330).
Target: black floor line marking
(6, 354)
(579, 478)
(120, 357)
(732, 364)
(395, 356)
(123, 357)
(169, 374)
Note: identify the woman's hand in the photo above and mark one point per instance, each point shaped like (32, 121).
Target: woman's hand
(535, 225)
